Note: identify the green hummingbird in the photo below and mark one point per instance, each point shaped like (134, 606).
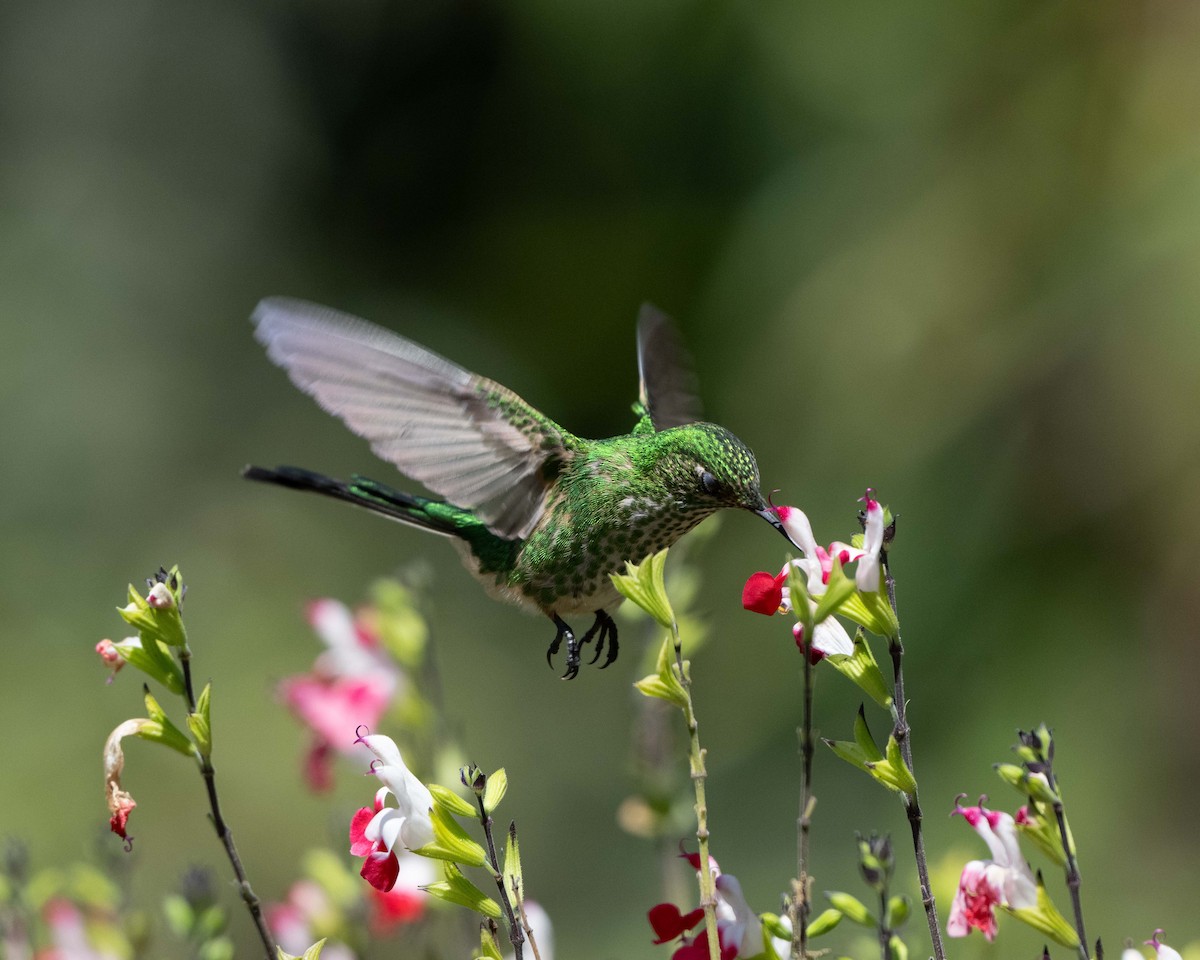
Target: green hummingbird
(541, 517)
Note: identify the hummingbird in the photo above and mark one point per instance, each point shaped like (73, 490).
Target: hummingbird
(540, 517)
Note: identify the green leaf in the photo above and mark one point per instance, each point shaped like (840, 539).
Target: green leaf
(863, 669)
(493, 793)
(643, 584)
(489, 949)
(450, 841)
(826, 921)
(899, 948)
(451, 802)
(159, 729)
(514, 880)
(664, 684)
(1045, 918)
(898, 909)
(312, 953)
(200, 724)
(456, 888)
(850, 907)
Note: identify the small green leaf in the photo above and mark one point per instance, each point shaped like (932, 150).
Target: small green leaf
(664, 683)
(514, 881)
(827, 920)
(898, 909)
(850, 907)
(451, 802)
(643, 584)
(199, 722)
(899, 948)
(862, 668)
(1045, 918)
(456, 888)
(489, 949)
(312, 953)
(159, 729)
(904, 780)
(450, 841)
(493, 793)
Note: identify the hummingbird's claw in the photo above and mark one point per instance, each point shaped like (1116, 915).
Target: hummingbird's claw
(573, 646)
(604, 626)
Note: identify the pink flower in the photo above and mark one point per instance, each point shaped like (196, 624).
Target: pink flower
(376, 834)
(1005, 880)
(111, 656)
(351, 685)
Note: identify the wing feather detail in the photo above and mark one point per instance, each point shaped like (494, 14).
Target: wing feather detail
(466, 438)
(668, 388)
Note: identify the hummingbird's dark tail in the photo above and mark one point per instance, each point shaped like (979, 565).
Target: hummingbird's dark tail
(368, 494)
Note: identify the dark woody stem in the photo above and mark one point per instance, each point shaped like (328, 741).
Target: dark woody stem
(516, 935)
(1073, 877)
(799, 907)
(223, 832)
(912, 805)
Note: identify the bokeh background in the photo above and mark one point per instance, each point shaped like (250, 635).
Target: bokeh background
(947, 249)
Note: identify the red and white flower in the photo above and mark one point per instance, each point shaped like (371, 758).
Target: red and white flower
(1003, 881)
(739, 931)
(379, 834)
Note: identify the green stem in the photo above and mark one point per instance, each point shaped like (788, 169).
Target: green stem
(708, 895)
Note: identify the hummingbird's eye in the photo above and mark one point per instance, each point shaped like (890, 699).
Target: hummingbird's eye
(710, 484)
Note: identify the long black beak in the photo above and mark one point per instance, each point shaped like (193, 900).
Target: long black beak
(768, 514)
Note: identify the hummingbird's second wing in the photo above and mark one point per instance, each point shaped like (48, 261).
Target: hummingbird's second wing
(468, 439)
(668, 389)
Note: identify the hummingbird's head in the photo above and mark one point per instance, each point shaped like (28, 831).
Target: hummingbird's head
(723, 473)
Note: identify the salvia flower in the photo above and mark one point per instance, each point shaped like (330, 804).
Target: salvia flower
(1003, 881)
(351, 685)
(381, 833)
(739, 931)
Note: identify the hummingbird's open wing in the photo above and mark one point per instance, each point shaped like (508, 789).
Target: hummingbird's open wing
(467, 438)
(668, 389)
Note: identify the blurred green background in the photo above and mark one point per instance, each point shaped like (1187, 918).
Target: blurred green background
(946, 249)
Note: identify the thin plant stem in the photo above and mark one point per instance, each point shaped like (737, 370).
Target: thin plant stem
(885, 933)
(218, 821)
(708, 896)
(528, 930)
(515, 934)
(1073, 878)
(800, 908)
(912, 804)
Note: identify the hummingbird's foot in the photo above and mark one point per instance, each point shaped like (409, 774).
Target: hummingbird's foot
(604, 626)
(573, 646)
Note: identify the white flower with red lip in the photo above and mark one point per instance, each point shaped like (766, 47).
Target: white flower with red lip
(377, 834)
(1005, 880)
(767, 594)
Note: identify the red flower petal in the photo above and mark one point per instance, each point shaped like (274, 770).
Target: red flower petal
(380, 871)
(763, 593)
(360, 846)
(669, 923)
